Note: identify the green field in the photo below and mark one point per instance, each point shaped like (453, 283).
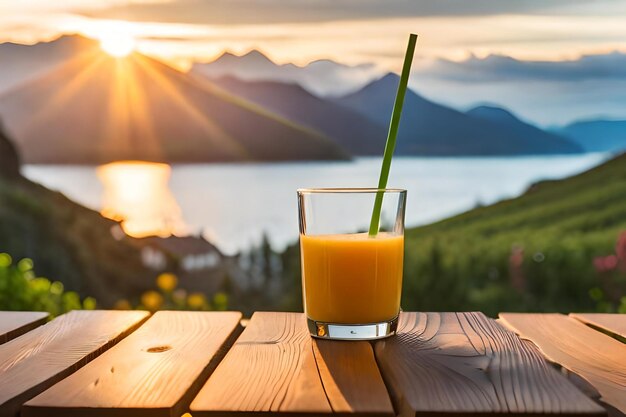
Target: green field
(532, 253)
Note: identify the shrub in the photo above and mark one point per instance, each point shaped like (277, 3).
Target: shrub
(21, 289)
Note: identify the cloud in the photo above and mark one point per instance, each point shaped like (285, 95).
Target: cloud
(296, 11)
(544, 92)
(493, 68)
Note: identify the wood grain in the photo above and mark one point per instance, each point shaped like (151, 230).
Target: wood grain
(614, 324)
(273, 368)
(465, 363)
(594, 356)
(16, 323)
(155, 371)
(40, 358)
(351, 378)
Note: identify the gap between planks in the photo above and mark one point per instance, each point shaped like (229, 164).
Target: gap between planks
(38, 359)
(597, 358)
(612, 324)
(16, 323)
(154, 372)
(455, 364)
(276, 367)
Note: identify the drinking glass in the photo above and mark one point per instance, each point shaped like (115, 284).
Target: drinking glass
(351, 281)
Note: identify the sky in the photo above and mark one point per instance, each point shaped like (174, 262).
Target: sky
(571, 53)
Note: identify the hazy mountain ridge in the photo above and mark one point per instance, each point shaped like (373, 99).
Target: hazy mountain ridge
(362, 130)
(22, 63)
(96, 109)
(354, 132)
(323, 77)
(531, 133)
(428, 128)
(597, 135)
(186, 118)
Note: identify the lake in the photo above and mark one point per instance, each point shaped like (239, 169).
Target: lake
(232, 205)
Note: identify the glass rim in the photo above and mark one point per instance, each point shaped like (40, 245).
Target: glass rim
(348, 190)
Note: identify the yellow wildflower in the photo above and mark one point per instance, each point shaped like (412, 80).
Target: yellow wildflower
(151, 300)
(167, 282)
(196, 300)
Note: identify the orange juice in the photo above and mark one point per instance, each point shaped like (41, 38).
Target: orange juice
(352, 278)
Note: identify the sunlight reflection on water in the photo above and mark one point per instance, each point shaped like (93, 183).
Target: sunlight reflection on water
(138, 194)
(232, 205)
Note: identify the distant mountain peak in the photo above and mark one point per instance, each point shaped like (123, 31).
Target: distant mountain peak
(388, 82)
(226, 55)
(323, 77)
(63, 39)
(385, 84)
(204, 123)
(597, 135)
(492, 112)
(253, 56)
(428, 128)
(390, 77)
(21, 63)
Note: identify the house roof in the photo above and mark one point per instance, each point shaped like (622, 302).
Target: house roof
(182, 245)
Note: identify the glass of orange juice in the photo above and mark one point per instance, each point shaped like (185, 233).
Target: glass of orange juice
(351, 280)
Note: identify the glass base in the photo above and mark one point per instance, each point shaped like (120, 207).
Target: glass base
(369, 331)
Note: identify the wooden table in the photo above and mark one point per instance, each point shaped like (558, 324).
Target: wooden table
(128, 363)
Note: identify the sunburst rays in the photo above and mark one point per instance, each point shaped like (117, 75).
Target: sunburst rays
(124, 101)
(86, 65)
(213, 132)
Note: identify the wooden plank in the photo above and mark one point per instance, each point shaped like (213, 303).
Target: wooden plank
(594, 356)
(16, 323)
(272, 368)
(351, 378)
(38, 359)
(155, 371)
(615, 324)
(465, 363)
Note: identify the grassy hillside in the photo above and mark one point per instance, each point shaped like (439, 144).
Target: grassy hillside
(69, 243)
(535, 252)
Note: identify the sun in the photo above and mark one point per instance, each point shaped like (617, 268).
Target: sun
(117, 45)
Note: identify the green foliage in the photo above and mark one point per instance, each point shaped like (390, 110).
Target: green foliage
(21, 289)
(532, 253)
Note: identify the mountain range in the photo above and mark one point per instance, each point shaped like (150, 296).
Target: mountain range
(356, 133)
(67, 102)
(323, 77)
(428, 128)
(533, 137)
(22, 63)
(597, 135)
(332, 80)
(95, 109)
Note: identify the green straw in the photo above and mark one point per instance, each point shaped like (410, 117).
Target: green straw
(392, 135)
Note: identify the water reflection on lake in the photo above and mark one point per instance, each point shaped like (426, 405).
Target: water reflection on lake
(233, 204)
(138, 195)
